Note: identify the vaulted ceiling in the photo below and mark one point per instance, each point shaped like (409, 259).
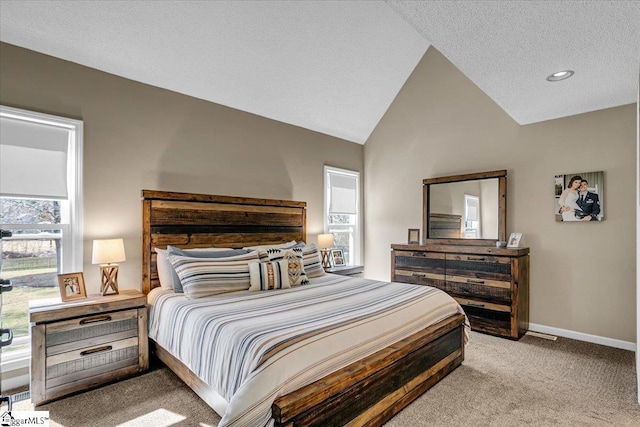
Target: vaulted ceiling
(335, 66)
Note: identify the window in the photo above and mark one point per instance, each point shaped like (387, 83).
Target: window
(40, 203)
(471, 216)
(342, 211)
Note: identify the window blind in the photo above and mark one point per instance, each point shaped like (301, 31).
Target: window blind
(33, 159)
(343, 194)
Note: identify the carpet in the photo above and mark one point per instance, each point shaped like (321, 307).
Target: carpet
(534, 382)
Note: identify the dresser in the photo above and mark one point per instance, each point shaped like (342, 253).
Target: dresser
(491, 284)
(82, 344)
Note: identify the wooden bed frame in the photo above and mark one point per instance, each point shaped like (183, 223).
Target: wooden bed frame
(366, 393)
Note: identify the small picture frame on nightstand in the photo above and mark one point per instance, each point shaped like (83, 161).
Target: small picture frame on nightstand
(337, 258)
(414, 236)
(72, 286)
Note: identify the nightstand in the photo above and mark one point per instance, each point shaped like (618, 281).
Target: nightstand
(347, 270)
(82, 344)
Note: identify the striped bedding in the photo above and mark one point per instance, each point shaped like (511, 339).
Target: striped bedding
(252, 347)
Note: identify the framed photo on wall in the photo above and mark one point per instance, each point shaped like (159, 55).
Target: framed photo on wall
(337, 258)
(72, 286)
(579, 197)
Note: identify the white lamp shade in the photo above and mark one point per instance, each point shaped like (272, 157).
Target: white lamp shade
(325, 241)
(108, 251)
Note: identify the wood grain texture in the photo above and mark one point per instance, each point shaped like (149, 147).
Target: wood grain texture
(491, 284)
(187, 221)
(434, 235)
(41, 311)
(83, 344)
(201, 220)
(373, 388)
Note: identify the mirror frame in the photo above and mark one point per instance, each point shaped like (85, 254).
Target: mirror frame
(502, 207)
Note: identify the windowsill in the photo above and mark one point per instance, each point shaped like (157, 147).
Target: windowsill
(16, 360)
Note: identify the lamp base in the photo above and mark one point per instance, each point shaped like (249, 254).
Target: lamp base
(109, 285)
(326, 259)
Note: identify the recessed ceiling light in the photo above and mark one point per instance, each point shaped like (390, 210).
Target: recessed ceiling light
(560, 75)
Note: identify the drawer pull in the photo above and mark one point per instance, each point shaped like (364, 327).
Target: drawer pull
(477, 282)
(474, 304)
(95, 320)
(422, 254)
(471, 258)
(418, 275)
(96, 350)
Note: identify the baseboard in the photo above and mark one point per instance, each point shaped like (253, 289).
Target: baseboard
(610, 342)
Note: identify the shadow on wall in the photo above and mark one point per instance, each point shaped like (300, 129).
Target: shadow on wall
(222, 159)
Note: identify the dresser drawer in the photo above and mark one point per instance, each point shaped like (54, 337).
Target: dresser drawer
(494, 291)
(419, 278)
(422, 262)
(491, 284)
(492, 268)
(491, 318)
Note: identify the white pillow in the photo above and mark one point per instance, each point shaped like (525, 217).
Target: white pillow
(164, 269)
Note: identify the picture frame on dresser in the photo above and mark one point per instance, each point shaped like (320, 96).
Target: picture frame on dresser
(514, 240)
(72, 286)
(413, 237)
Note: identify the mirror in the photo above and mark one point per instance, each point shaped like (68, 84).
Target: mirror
(466, 209)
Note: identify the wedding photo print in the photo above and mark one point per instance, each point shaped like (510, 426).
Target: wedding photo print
(579, 197)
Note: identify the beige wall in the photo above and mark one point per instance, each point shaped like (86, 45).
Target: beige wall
(138, 137)
(582, 275)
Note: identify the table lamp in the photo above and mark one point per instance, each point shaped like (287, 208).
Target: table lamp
(106, 253)
(325, 242)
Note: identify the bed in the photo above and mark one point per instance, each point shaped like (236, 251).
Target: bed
(368, 380)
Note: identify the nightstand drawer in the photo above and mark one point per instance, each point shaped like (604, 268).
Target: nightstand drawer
(86, 344)
(90, 331)
(68, 367)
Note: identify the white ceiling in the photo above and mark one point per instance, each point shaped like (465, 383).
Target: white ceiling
(336, 66)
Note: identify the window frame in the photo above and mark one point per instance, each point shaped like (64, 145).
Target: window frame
(72, 238)
(72, 232)
(357, 249)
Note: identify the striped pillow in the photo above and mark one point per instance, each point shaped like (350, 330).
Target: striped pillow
(203, 277)
(198, 253)
(265, 276)
(312, 261)
(293, 256)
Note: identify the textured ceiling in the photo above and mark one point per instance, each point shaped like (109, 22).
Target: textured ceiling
(508, 48)
(335, 66)
(332, 67)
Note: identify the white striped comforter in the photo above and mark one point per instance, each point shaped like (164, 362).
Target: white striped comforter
(252, 347)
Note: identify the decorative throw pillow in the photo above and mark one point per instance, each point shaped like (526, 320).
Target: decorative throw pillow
(312, 261)
(295, 265)
(164, 268)
(201, 277)
(265, 276)
(198, 253)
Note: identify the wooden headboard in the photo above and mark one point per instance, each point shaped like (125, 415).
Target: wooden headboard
(188, 220)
